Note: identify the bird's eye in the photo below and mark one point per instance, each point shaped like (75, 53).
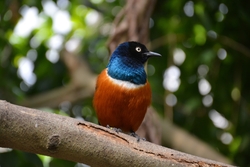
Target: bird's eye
(138, 49)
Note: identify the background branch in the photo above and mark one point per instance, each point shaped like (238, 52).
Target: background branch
(132, 23)
(81, 85)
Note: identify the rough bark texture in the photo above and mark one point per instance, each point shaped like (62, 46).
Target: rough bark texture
(63, 137)
(181, 140)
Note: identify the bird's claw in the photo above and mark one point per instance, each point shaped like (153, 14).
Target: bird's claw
(137, 137)
(117, 130)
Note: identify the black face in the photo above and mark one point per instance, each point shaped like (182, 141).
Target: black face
(138, 50)
(133, 52)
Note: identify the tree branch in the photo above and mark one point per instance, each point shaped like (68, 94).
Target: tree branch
(234, 45)
(63, 137)
(182, 140)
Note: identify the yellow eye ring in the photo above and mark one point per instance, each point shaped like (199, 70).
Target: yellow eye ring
(138, 49)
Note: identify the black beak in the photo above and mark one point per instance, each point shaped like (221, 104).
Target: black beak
(152, 54)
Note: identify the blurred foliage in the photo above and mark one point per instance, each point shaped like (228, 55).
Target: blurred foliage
(212, 34)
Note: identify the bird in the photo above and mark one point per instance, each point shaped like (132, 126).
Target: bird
(123, 93)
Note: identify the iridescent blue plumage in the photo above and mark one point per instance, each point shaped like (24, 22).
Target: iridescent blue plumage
(127, 64)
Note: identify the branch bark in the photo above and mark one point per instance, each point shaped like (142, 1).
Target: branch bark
(63, 137)
(182, 140)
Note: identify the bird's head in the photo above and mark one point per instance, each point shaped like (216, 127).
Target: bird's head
(133, 52)
(127, 62)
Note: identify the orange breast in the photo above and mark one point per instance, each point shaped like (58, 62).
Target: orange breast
(119, 106)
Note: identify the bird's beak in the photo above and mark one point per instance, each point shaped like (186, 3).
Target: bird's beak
(152, 54)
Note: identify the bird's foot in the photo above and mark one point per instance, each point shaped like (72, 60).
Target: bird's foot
(137, 136)
(117, 130)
